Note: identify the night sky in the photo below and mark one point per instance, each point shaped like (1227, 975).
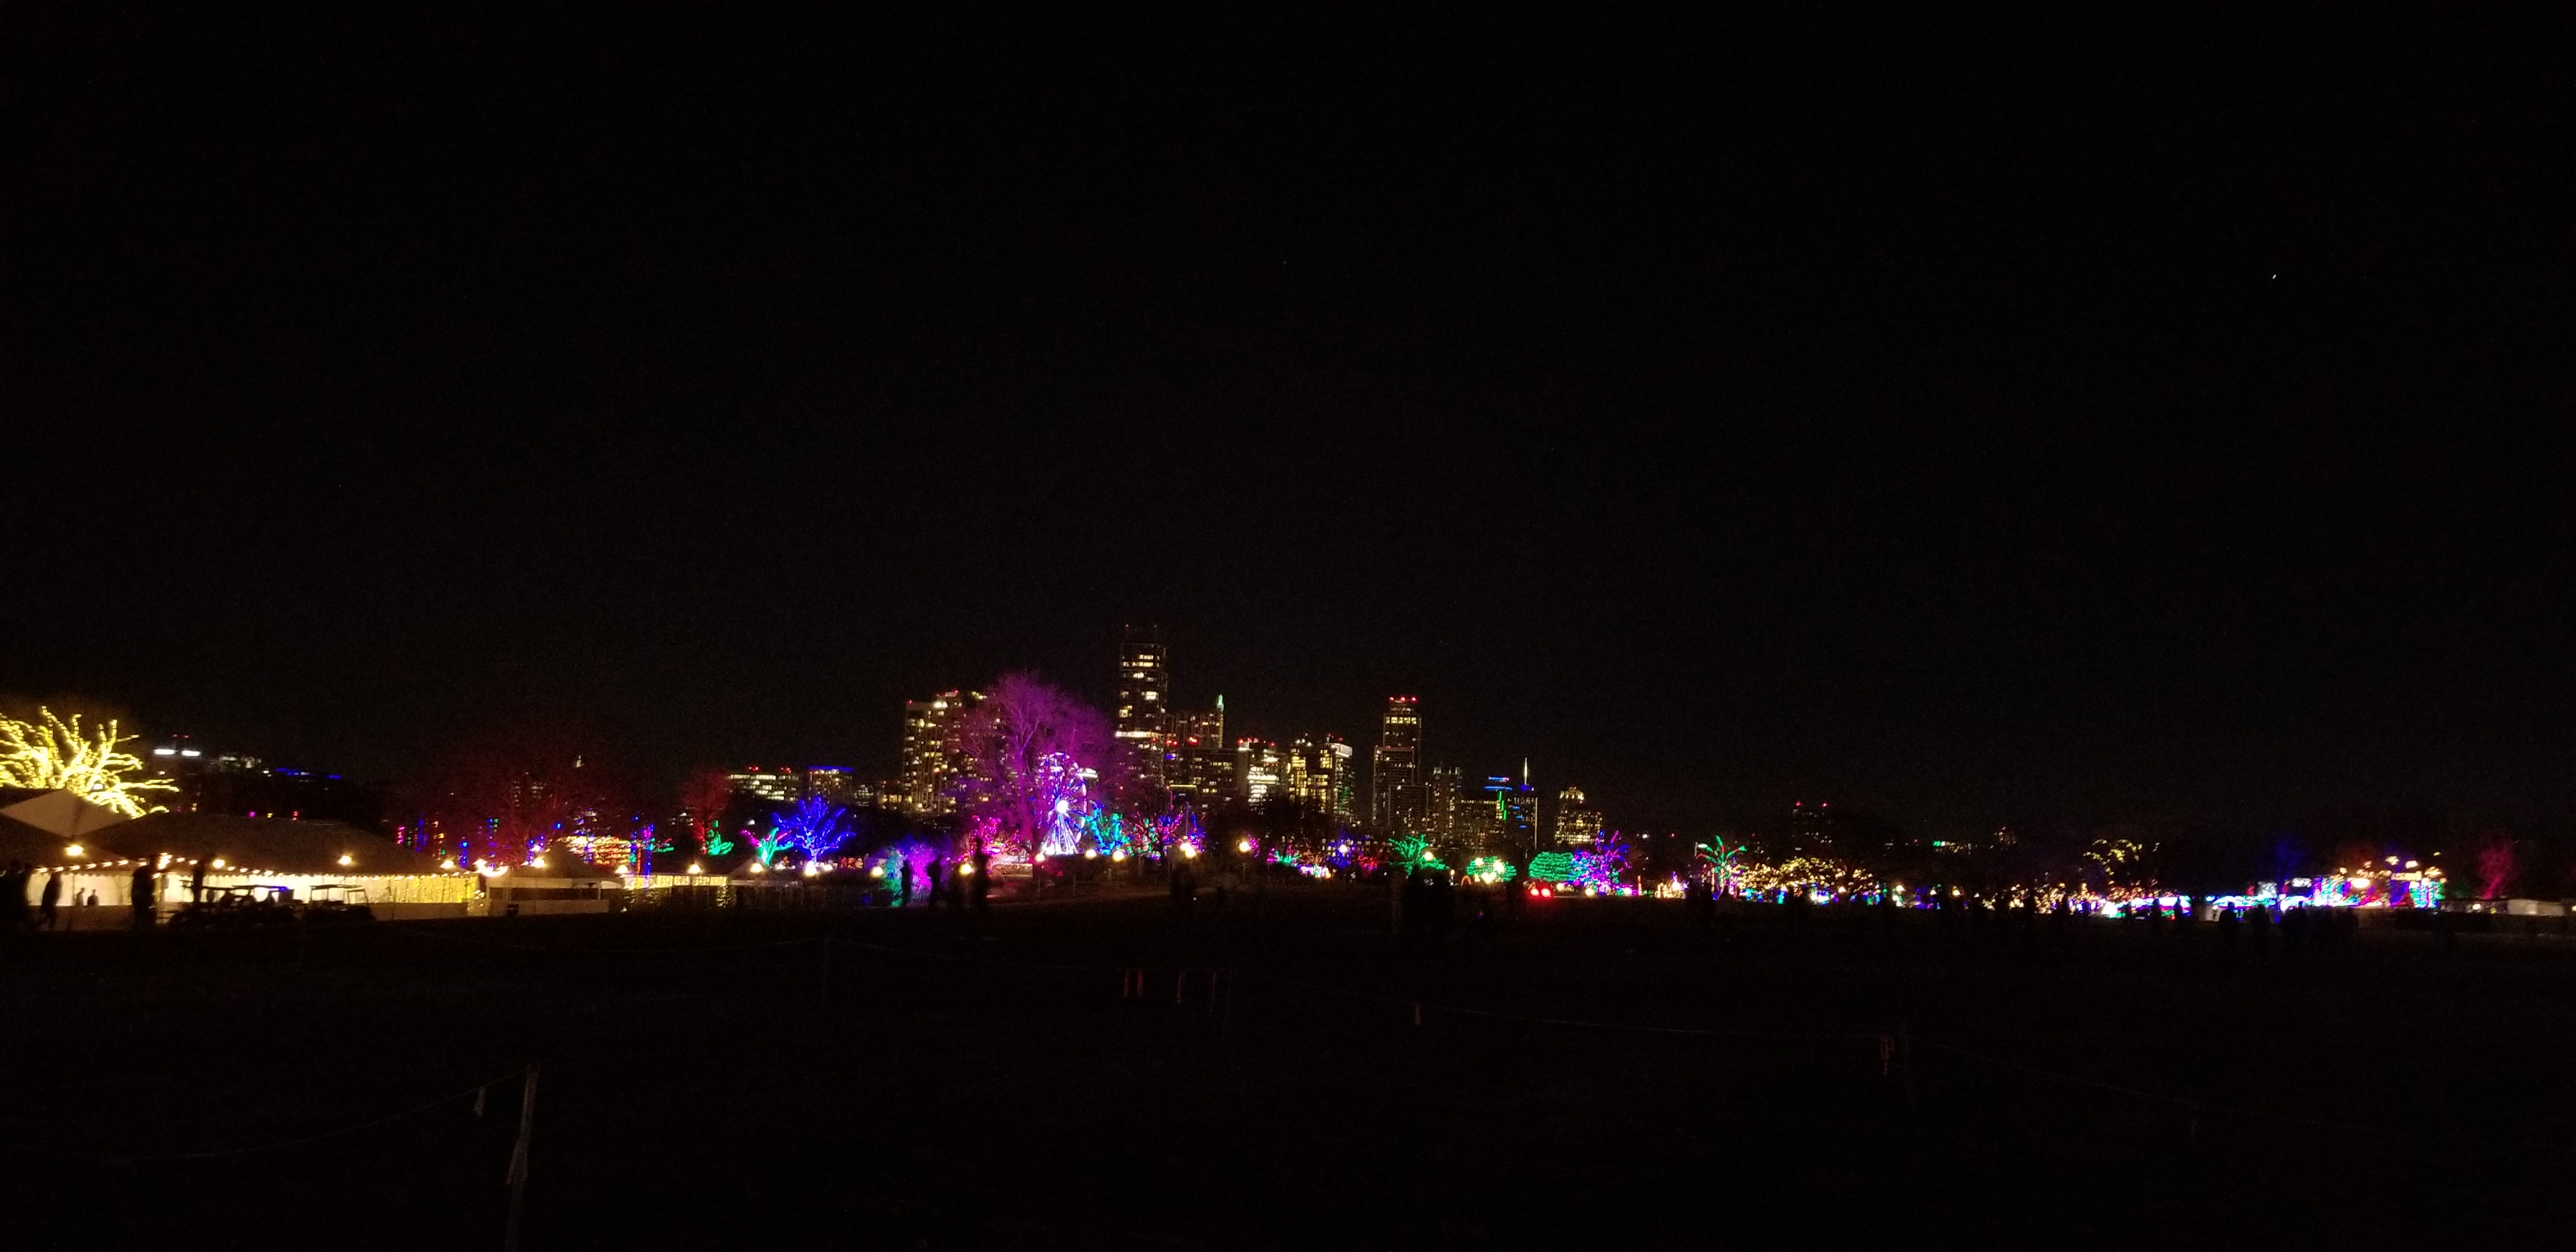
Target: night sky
(1975, 420)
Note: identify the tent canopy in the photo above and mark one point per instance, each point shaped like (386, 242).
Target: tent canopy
(57, 812)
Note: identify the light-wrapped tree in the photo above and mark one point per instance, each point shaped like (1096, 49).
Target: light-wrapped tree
(1033, 756)
(56, 755)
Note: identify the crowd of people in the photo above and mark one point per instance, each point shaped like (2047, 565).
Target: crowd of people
(20, 914)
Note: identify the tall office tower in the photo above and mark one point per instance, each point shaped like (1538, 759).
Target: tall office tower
(1144, 704)
(1519, 818)
(1319, 773)
(1511, 805)
(1490, 816)
(1397, 799)
(930, 750)
(1332, 769)
(1297, 772)
(1262, 772)
(1576, 826)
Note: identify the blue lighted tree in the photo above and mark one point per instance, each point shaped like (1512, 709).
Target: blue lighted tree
(816, 827)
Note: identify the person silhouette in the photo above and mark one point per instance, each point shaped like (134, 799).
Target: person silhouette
(930, 882)
(45, 914)
(142, 894)
(13, 897)
(904, 901)
(983, 878)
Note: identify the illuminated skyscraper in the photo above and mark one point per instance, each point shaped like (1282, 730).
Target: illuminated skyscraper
(1144, 704)
(1264, 770)
(1201, 763)
(1397, 799)
(1319, 773)
(1576, 826)
(1516, 812)
(930, 750)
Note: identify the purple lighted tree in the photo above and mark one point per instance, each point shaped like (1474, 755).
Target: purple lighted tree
(1029, 745)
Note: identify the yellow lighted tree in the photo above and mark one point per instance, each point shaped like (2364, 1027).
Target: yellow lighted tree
(57, 755)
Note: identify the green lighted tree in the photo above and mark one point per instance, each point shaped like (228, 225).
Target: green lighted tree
(1413, 852)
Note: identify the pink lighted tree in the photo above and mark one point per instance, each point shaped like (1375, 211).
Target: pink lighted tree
(1028, 747)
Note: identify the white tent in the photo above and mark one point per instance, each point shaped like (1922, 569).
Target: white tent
(58, 813)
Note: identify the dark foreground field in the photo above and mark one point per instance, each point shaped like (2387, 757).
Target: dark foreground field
(730, 1080)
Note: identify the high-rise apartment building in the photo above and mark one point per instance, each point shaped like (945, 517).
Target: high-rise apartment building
(930, 751)
(840, 785)
(774, 786)
(1201, 761)
(1451, 807)
(1200, 730)
(1144, 705)
(1398, 801)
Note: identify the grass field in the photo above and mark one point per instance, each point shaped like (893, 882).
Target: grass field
(1590, 1073)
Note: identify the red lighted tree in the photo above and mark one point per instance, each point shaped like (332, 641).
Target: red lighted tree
(511, 797)
(704, 798)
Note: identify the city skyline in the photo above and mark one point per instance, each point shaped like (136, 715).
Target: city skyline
(1647, 811)
(1980, 597)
